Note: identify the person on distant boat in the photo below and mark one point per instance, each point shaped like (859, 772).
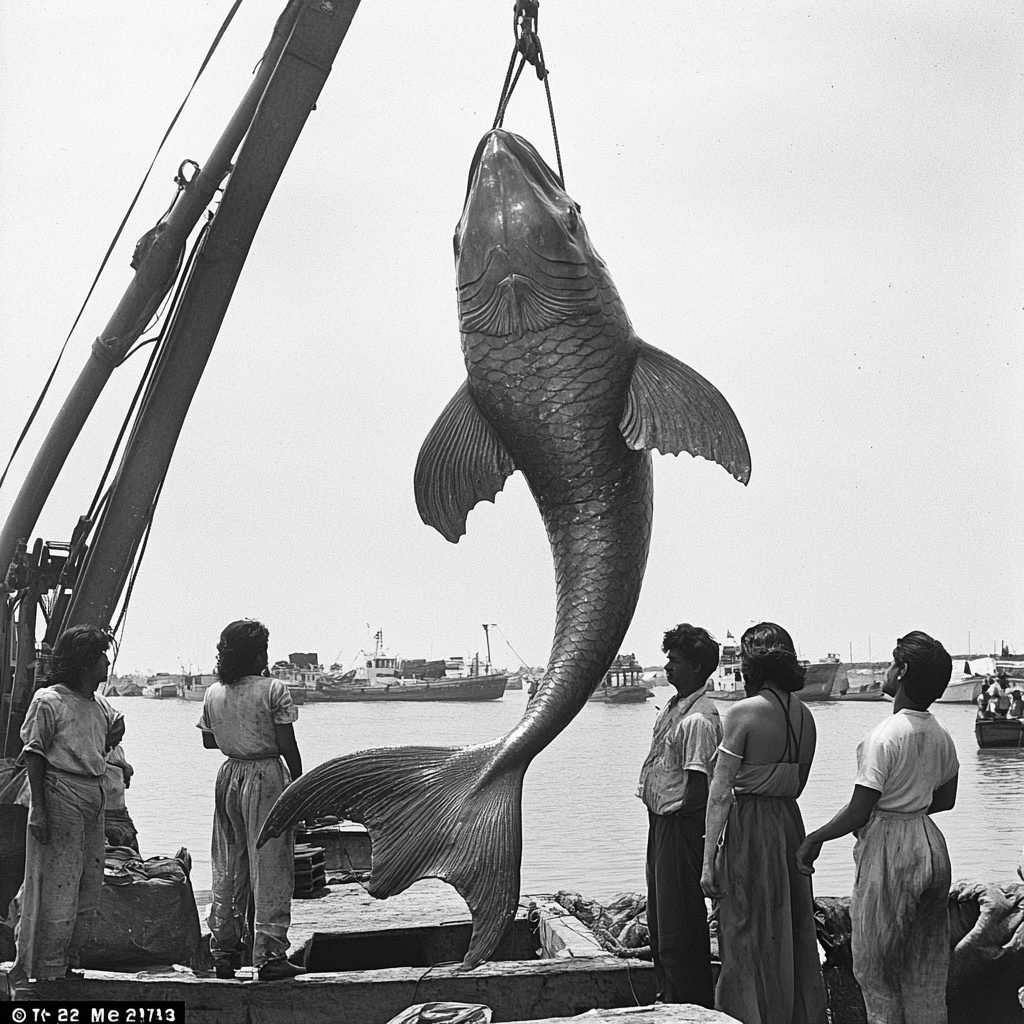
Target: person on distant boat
(999, 693)
(766, 932)
(907, 769)
(983, 701)
(67, 731)
(1016, 704)
(674, 786)
(995, 691)
(249, 716)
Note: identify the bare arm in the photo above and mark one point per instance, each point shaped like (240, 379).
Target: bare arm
(807, 747)
(210, 741)
(852, 817)
(944, 797)
(38, 821)
(289, 749)
(719, 805)
(720, 797)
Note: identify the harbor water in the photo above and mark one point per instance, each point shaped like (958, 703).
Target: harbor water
(583, 827)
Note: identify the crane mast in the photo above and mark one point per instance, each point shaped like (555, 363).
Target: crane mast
(85, 578)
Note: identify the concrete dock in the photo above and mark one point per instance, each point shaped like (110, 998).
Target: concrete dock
(575, 976)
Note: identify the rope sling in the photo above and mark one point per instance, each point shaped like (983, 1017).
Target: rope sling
(527, 45)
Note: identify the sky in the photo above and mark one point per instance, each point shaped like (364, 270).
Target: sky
(818, 206)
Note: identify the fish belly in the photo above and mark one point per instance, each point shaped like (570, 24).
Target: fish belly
(556, 400)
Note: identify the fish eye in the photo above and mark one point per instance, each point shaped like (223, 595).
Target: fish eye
(573, 217)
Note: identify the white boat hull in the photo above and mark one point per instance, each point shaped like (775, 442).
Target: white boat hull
(962, 691)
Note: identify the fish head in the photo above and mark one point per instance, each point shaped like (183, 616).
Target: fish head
(524, 262)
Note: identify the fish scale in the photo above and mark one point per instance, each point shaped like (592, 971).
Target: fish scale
(560, 388)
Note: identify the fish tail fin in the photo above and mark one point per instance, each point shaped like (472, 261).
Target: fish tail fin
(431, 812)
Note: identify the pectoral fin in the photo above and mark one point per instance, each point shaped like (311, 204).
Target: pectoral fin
(673, 408)
(462, 461)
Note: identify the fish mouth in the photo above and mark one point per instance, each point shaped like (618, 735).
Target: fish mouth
(499, 304)
(524, 261)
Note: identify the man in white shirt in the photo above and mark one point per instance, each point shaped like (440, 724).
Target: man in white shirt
(674, 786)
(907, 769)
(1002, 697)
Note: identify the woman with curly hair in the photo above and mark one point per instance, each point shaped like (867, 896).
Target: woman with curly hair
(67, 732)
(767, 942)
(248, 715)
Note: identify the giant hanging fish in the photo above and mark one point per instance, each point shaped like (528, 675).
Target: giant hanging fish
(561, 388)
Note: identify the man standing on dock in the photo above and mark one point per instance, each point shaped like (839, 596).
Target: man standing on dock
(674, 786)
(249, 716)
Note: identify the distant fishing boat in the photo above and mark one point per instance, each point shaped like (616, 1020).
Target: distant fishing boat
(962, 689)
(825, 680)
(469, 688)
(623, 683)
(384, 677)
(872, 691)
(727, 682)
(965, 686)
(999, 732)
(861, 684)
(159, 687)
(195, 687)
(121, 686)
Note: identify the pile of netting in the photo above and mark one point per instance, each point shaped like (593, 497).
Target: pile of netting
(620, 926)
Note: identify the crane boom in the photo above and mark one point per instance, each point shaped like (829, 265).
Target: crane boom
(289, 98)
(267, 124)
(155, 269)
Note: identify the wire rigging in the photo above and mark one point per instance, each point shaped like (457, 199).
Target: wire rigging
(119, 624)
(117, 236)
(528, 46)
(510, 647)
(147, 375)
(145, 384)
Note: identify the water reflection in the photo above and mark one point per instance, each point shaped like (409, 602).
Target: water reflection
(1002, 767)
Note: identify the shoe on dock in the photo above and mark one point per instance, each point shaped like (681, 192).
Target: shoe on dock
(276, 970)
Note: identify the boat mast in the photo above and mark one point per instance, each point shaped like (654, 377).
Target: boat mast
(487, 637)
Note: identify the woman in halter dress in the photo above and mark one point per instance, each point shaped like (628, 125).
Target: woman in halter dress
(771, 973)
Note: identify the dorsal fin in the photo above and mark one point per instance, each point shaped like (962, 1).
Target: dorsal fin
(674, 409)
(462, 461)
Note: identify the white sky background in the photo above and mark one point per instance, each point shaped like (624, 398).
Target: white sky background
(817, 206)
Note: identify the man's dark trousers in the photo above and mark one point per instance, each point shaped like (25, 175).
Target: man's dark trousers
(676, 913)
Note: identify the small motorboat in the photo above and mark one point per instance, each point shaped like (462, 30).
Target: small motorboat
(999, 732)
